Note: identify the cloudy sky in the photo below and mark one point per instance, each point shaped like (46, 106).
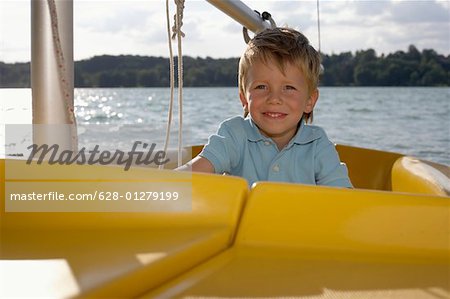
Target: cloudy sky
(138, 27)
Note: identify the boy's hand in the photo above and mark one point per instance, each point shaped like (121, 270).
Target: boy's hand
(198, 164)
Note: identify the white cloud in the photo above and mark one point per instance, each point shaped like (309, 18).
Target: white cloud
(15, 29)
(385, 26)
(421, 12)
(139, 26)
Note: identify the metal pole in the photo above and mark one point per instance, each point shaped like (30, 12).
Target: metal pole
(50, 97)
(242, 14)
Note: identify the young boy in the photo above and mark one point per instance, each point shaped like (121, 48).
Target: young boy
(278, 78)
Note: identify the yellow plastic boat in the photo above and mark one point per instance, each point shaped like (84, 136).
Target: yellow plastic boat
(387, 238)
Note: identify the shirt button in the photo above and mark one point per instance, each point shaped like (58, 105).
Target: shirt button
(266, 142)
(276, 168)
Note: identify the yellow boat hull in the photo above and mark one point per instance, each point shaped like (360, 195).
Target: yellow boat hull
(388, 238)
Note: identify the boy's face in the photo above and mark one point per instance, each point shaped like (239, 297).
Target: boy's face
(277, 101)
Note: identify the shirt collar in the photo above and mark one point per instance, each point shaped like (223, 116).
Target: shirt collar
(254, 134)
(305, 134)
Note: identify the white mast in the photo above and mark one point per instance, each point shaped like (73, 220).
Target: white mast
(242, 14)
(52, 73)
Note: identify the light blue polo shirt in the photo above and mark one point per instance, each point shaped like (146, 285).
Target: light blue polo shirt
(310, 157)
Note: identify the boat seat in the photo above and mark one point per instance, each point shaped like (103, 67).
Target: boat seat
(104, 252)
(321, 242)
(417, 176)
(367, 168)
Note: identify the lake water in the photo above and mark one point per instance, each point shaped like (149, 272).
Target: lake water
(412, 121)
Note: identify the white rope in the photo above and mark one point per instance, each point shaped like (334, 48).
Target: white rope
(322, 69)
(69, 106)
(176, 32)
(318, 26)
(172, 83)
(179, 34)
(178, 19)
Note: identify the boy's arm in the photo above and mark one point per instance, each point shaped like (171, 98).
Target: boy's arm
(330, 171)
(198, 164)
(221, 152)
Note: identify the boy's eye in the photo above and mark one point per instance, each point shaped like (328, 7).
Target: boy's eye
(260, 87)
(290, 87)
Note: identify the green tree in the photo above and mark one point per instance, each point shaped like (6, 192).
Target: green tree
(364, 68)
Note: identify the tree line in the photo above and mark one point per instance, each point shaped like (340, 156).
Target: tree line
(362, 68)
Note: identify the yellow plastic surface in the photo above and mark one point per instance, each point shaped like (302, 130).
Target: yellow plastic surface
(368, 169)
(293, 240)
(387, 171)
(111, 254)
(416, 176)
(316, 242)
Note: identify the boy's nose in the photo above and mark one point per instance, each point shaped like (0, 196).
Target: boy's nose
(275, 98)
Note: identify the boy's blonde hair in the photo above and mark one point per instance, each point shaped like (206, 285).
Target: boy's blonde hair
(282, 45)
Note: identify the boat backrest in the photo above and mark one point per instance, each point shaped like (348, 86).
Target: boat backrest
(413, 175)
(324, 219)
(368, 169)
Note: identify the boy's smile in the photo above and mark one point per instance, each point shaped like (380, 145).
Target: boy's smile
(276, 101)
(275, 115)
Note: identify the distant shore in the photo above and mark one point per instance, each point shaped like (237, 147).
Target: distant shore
(362, 68)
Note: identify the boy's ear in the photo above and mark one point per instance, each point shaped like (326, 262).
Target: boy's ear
(312, 101)
(243, 101)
